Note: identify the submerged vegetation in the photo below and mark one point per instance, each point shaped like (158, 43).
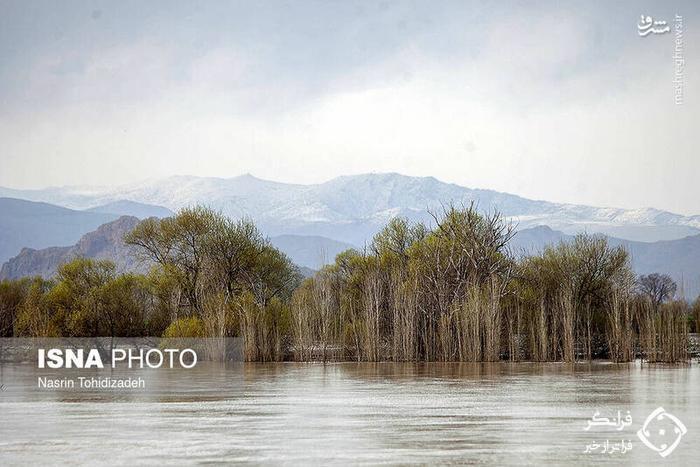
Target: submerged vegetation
(454, 292)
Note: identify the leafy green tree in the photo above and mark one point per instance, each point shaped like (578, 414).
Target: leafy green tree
(12, 294)
(178, 243)
(76, 296)
(212, 261)
(36, 317)
(123, 307)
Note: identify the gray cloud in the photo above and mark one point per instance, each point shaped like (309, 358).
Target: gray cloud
(557, 101)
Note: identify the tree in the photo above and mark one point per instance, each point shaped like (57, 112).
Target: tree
(474, 246)
(226, 273)
(395, 240)
(191, 327)
(76, 295)
(696, 314)
(35, 317)
(569, 291)
(123, 306)
(12, 295)
(659, 288)
(179, 243)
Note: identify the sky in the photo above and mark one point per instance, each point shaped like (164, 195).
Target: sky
(562, 101)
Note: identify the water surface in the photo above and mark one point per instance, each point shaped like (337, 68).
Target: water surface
(348, 413)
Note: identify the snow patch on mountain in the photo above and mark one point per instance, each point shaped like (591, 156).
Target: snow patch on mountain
(352, 208)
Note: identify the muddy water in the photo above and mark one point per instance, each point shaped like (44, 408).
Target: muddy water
(348, 413)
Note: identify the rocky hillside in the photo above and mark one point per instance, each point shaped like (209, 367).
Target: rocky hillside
(104, 243)
(41, 225)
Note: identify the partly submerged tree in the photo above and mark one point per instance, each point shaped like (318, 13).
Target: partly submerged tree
(568, 292)
(224, 271)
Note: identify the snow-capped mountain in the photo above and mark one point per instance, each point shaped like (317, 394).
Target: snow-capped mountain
(352, 208)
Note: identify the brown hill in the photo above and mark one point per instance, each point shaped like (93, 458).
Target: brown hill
(104, 243)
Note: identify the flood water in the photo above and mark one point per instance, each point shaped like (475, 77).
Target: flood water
(350, 413)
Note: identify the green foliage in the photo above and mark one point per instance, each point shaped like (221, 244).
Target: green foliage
(190, 327)
(204, 252)
(402, 293)
(88, 298)
(695, 316)
(12, 295)
(453, 292)
(265, 329)
(78, 296)
(588, 267)
(35, 318)
(569, 291)
(393, 243)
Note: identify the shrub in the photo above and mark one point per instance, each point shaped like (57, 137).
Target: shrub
(185, 327)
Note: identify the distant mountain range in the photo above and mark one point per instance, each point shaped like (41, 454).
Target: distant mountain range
(40, 225)
(132, 208)
(309, 251)
(313, 223)
(27, 224)
(352, 208)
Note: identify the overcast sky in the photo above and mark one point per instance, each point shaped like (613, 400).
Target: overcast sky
(554, 100)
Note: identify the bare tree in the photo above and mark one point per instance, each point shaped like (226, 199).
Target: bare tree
(658, 287)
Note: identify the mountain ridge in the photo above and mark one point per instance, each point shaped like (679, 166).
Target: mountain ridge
(351, 208)
(132, 208)
(40, 225)
(105, 242)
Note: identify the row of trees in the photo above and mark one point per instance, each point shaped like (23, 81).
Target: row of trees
(457, 293)
(453, 292)
(87, 298)
(210, 276)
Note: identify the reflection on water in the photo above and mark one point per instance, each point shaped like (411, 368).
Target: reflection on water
(346, 413)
